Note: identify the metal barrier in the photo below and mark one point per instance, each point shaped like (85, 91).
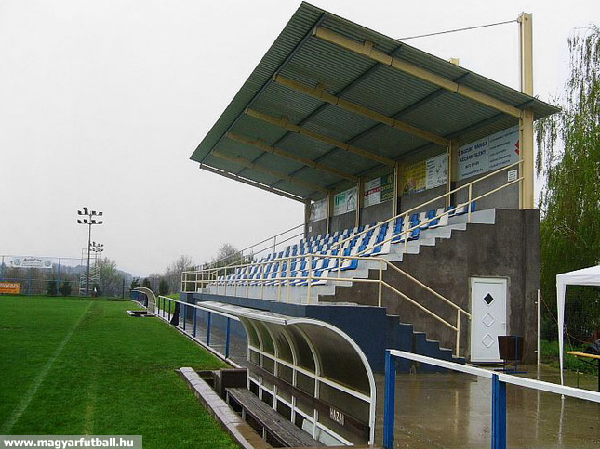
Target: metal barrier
(215, 277)
(499, 381)
(263, 329)
(166, 308)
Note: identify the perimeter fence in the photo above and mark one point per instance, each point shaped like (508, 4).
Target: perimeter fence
(33, 275)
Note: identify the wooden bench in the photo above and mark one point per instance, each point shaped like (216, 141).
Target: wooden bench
(271, 422)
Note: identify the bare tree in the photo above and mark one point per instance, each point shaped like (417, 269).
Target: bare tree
(173, 273)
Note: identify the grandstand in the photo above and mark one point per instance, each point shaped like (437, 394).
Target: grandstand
(416, 176)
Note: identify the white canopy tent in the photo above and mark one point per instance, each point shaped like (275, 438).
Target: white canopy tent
(586, 276)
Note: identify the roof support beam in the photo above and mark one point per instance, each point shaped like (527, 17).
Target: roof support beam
(280, 175)
(320, 93)
(303, 160)
(366, 49)
(258, 185)
(286, 124)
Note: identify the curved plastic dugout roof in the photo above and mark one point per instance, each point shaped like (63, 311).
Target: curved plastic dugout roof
(339, 357)
(327, 83)
(312, 345)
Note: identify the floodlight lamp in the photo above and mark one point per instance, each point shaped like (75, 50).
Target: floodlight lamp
(79, 221)
(100, 213)
(93, 212)
(85, 210)
(79, 212)
(99, 222)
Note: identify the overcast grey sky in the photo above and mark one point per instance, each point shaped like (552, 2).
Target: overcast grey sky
(103, 102)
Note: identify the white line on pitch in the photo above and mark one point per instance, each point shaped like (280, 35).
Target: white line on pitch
(39, 379)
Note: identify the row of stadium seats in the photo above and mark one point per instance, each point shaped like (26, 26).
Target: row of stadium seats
(291, 265)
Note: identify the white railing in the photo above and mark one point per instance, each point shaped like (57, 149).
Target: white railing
(251, 252)
(226, 281)
(498, 393)
(194, 281)
(405, 234)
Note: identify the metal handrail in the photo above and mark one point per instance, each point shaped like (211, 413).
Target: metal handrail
(273, 237)
(211, 275)
(437, 198)
(277, 281)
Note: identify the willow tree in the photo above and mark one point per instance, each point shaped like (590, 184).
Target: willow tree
(569, 161)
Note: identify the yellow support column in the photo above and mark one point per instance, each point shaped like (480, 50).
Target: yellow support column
(452, 153)
(396, 188)
(526, 146)
(360, 194)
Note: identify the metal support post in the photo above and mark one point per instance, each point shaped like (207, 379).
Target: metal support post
(380, 281)
(184, 307)
(458, 333)
(526, 150)
(388, 401)
(208, 317)
(195, 322)
(227, 337)
(310, 278)
(469, 205)
(498, 413)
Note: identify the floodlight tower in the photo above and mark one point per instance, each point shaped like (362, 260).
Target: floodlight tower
(95, 277)
(89, 221)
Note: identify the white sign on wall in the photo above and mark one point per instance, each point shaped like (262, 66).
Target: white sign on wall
(318, 210)
(504, 148)
(473, 158)
(436, 169)
(345, 201)
(490, 153)
(379, 190)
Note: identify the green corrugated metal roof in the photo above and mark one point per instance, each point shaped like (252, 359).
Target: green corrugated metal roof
(299, 56)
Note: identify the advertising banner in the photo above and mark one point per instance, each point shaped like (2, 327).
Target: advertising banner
(490, 153)
(437, 171)
(30, 262)
(415, 178)
(344, 201)
(318, 210)
(379, 190)
(473, 158)
(13, 288)
(426, 174)
(504, 148)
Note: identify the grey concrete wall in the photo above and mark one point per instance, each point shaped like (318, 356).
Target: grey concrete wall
(510, 249)
(414, 200)
(377, 212)
(316, 228)
(343, 221)
(507, 198)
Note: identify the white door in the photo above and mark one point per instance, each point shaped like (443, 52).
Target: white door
(488, 307)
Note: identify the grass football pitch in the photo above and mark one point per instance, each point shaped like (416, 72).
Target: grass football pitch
(71, 366)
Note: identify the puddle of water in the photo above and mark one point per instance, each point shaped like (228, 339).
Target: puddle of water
(454, 411)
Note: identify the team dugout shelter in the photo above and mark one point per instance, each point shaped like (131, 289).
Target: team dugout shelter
(360, 127)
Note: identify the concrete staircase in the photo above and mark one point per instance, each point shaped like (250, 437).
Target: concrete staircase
(404, 338)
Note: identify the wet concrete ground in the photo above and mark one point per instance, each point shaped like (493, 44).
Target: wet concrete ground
(454, 411)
